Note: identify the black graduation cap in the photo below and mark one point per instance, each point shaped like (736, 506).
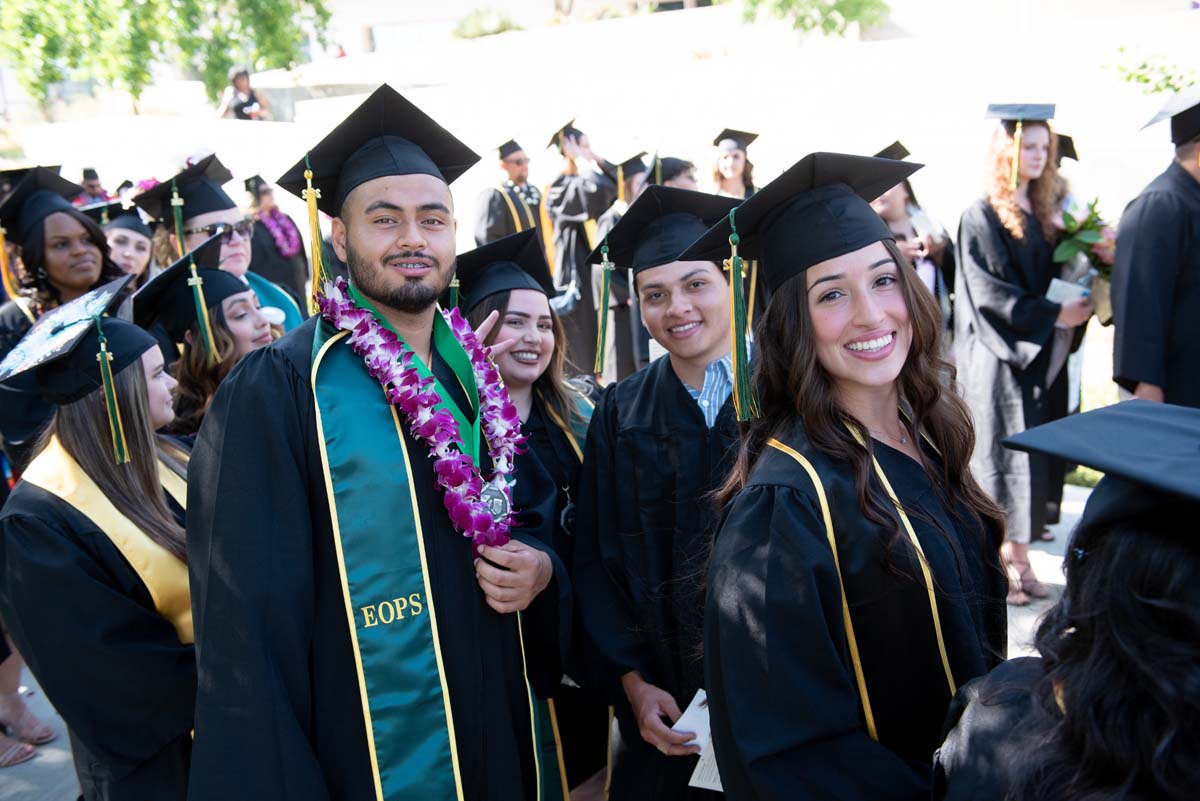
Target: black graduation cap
(90, 174)
(10, 177)
(40, 193)
(1149, 452)
(1020, 112)
(514, 262)
(508, 148)
(1066, 148)
(386, 135)
(733, 139)
(1184, 111)
(198, 186)
(664, 168)
(254, 184)
(659, 226)
(126, 184)
(57, 360)
(817, 210)
(634, 165)
(110, 215)
(567, 130)
(103, 212)
(173, 298)
(895, 151)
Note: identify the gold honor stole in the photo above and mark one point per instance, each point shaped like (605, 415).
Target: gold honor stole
(390, 605)
(165, 576)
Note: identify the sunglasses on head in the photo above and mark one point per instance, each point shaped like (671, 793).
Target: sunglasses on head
(243, 228)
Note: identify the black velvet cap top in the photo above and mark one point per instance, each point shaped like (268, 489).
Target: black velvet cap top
(115, 215)
(733, 139)
(516, 261)
(817, 210)
(386, 135)
(508, 148)
(199, 188)
(1184, 111)
(40, 193)
(659, 225)
(167, 299)
(895, 151)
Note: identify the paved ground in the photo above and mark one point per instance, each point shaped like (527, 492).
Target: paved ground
(51, 777)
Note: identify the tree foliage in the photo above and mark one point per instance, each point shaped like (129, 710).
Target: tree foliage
(831, 17)
(1153, 74)
(117, 42)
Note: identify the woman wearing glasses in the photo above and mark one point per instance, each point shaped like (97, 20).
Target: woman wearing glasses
(207, 211)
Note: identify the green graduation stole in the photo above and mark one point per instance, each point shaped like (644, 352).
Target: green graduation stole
(390, 605)
(271, 295)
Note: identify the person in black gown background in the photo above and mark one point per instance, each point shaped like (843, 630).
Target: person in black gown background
(276, 248)
(1107, 711)
(513, 206)
(658, 444)
(1156, 276)
(855, 576)
(1010, 341)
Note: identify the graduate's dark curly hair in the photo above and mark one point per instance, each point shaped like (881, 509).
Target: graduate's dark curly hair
(198, 377)
(34, 281)
(792, 384)
(1121, 653)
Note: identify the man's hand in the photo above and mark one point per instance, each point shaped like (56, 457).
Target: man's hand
(523, 572)
(497, 349)
(1148, 392)
(650, 705)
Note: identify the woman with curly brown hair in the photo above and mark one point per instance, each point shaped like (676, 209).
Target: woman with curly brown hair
(855, 577)
(1011, 341)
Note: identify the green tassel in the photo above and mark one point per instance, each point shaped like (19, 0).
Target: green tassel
(606, 268)
(115, 426)
(177, 213)
(454, 295)
(206, 332)
(745, 399)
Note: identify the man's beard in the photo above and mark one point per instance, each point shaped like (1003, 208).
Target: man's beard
(411, 297)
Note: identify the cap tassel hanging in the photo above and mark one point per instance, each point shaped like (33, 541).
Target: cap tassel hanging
(745, 399)
(658, 170)
(319, 276)
(177, 214)
(620, 183)
(1016, 159)
(606, 271)
(6, 276)
(206, 331)
(111, 404)
(454, 294)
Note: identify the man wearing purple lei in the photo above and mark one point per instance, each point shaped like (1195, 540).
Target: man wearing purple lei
(373, 619)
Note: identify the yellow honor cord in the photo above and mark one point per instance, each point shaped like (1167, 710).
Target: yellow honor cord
(314, 231)
(1016, 158)
(6, 277)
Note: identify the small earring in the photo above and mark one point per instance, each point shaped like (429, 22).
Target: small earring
(41, 273)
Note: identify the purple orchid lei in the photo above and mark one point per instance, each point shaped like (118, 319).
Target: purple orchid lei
(392, 365)
(283, 231)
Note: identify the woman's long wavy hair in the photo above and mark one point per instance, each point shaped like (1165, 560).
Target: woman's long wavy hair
(1043, 191)
(1122, 647)
(198, 378)
(34, 281)
(133, 488)
(558, 393)
(792, 385)
(747, 174)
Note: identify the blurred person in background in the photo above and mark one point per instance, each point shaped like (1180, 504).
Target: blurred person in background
(276, 249)
(241, 99)
(733, 172)
(513, 206)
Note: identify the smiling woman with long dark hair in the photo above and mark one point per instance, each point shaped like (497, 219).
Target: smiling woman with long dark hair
(854, 580)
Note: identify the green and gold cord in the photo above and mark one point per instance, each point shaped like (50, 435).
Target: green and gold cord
(745, 399)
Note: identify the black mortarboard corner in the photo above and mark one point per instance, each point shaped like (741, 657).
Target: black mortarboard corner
(1013, 116)
(732, 139)
(103, 212)
(182, 294)
(1149, 453)
(386, 135)
(664, 168)
(568, 130)
(39, 193)
(126, 184)
(624, 170)
(815, 211)
(514, 262)
(73, 350)
(190, 193)
(1184, 111)
(110, 215)
(12, 176)
(654, 231)
(895, 151)
(508, 148)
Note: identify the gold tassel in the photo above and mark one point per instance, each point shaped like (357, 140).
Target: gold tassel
(6, 277)
(206, 331)
(620, 183)
(1016, 158)
(319, 275)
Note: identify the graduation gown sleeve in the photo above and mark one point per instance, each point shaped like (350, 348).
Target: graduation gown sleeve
(579, 198)
(492, 219)
(1151, 249)
(1012, 321)
(112, 665)
(252, 576)
(786, 719)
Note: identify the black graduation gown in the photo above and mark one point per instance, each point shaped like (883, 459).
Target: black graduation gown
(290, 273)
(570, 202)
(787, 722)
(278, 713)
(1004, 326)
(22, 415)
(113, 667)
(582, 714)
(1156, 289)
(982, 754)
(494, 216)
(643, 531)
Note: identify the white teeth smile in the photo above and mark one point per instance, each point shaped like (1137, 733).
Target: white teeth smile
(411, 265)
(872, 345)
(679, 329)
(527, 356)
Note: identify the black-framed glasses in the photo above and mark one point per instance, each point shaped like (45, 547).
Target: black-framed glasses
(243, 228)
